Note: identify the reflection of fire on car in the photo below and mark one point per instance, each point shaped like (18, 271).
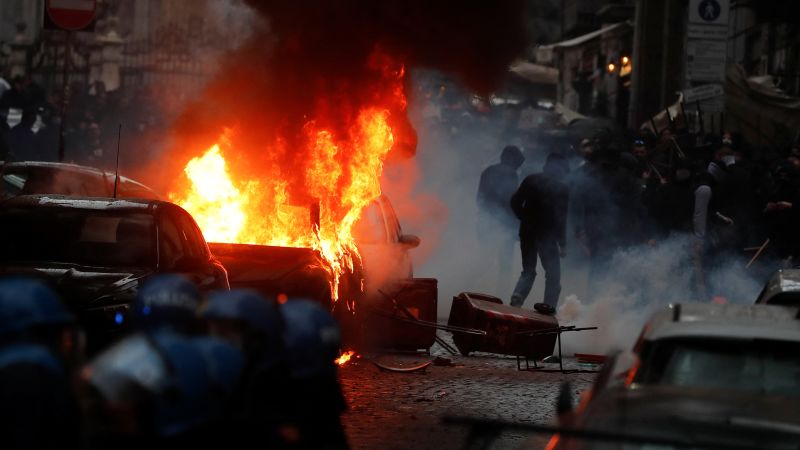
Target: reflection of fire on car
(385, 269)
(96, 252)
(720, 374)
(783, 288)
(37, 177)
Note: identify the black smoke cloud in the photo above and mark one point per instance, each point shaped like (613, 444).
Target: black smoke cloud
(473, 40)
(311, 60)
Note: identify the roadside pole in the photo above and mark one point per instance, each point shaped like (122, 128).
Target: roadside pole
(64, 92)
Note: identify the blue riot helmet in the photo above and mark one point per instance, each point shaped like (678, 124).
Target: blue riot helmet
(27, 303)
(160, 381)
(31, 311)
(37, 345)
(249, 321)
(166, 301)
(312, 339)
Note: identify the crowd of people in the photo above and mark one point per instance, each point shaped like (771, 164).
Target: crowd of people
(30, 122)
(727, 201)
(224, 371)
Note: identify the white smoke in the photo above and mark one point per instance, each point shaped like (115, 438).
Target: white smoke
(640, 280)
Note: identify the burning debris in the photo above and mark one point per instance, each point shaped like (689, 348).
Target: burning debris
(345, 357)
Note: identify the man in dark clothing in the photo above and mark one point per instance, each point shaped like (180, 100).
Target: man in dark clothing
(541, 205)
(496, 221)
(21, 140)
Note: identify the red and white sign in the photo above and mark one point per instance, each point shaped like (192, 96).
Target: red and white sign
(71, 14)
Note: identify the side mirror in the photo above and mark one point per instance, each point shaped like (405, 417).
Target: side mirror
(409, 240)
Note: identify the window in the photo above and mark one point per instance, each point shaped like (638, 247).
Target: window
(370, 229)
(762, 366)
(73, 236)
(172, 242)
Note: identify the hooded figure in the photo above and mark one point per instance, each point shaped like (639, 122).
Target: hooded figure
(496, 221)
(541, 204)
(497, 185)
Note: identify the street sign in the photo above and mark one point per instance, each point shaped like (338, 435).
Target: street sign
(709, 12)
(70, 15)
(703, 92)
(705, 60)
(708, 32)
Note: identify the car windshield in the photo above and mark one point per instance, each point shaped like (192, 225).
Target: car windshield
(73, 236)
(761, 366)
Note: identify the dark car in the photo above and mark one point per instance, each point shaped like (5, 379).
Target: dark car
(96, 252)
(39, 177)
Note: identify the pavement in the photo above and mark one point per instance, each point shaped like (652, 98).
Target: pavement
(388, 410)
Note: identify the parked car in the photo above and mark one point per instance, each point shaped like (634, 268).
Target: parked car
(783, 288)
(673, 417)
(700, 375)
(725, 347)
(96, 252)
(39, 177)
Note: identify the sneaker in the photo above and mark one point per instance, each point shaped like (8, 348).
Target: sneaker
(544, 308)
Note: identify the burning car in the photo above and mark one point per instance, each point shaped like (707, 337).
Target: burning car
(96, 252)
(381, 275)
(37, 177)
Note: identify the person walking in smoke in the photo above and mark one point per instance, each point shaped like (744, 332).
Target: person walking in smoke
(496, 221)
(541, 205)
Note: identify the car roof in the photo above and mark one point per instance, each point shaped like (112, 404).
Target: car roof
(724, 321)
(54, 166)
(785, 280)
(84, 203)
(87, 170)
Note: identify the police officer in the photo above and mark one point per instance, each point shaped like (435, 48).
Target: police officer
(38, 340)
(255, 326)
(164, 385)
(312, 340)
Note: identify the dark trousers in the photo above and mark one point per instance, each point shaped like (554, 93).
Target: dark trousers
(545, 249)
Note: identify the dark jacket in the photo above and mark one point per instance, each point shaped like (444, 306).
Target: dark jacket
(541, 204)
(497, 185)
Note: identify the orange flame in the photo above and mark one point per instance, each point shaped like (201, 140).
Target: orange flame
(267, 198)
(345, 357)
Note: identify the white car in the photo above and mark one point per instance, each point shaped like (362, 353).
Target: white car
(783, 288)
(735, 348)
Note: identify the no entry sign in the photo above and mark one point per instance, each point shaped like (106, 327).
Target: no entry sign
(71, 15)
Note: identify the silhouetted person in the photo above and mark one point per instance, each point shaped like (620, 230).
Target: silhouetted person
(21, 140)
(496, 221)
(541, 204)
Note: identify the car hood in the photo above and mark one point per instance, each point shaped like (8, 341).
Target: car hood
(84, 287)
(261, 262)
(697, 415)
